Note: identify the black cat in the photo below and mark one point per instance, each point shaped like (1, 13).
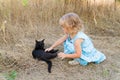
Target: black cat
(40, 54)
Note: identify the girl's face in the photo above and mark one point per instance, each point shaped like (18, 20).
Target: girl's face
(65, 30)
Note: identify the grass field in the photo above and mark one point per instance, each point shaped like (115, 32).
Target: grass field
(24, 21)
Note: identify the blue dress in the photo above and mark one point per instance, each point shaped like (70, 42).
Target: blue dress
(89, 53)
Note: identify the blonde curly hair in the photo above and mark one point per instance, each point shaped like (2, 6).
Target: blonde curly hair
(72, 22)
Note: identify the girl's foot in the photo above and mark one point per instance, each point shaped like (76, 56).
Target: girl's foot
(73, 62)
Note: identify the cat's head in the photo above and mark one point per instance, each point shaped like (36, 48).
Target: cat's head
(39, 44)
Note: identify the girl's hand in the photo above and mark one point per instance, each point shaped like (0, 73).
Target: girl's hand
(48, 49)
(61, 55)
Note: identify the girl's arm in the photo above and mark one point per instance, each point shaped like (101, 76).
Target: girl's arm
(58, 42)
(77, 53)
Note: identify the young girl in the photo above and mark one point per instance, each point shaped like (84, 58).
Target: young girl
(77, 45)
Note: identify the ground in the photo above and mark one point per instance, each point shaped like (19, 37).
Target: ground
(30, 69)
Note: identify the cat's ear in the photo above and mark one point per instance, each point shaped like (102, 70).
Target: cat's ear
(36, 41)
(43, 40)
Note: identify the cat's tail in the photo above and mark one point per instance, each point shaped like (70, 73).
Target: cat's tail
(49, 65)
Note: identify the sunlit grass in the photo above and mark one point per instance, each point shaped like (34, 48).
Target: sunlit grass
(31, 13)
(35, 11)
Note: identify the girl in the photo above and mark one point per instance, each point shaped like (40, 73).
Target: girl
(77, 45)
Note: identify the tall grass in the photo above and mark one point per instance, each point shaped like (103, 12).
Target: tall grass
(26, 17)
(41, 11)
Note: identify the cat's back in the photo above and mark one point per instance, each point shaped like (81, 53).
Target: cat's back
(38, 53)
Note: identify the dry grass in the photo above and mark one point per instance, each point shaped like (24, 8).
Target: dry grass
(39, 19)
(27, 20)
